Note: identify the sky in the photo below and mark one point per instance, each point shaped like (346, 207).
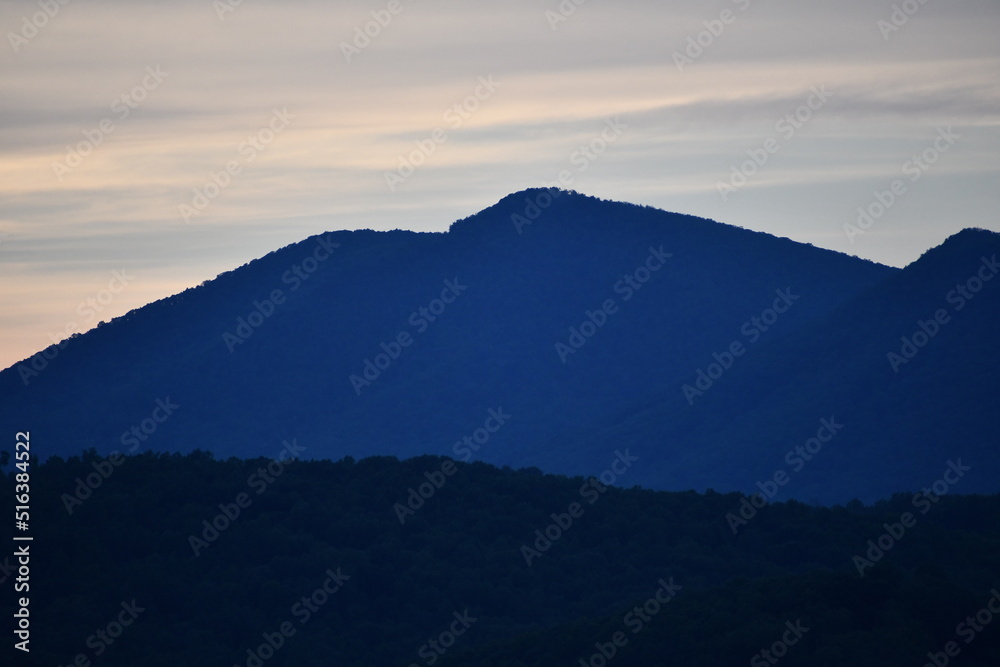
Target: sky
(148, 146)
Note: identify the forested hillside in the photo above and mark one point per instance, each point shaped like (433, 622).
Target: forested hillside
(367, 562)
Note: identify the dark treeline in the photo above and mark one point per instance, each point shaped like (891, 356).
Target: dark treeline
(318, 565)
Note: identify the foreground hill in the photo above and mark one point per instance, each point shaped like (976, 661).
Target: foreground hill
(166, 559)
(548, 330)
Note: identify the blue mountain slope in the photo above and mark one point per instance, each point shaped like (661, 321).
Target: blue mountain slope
(578, 318)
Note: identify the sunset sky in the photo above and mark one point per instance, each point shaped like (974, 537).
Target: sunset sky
(113, 114)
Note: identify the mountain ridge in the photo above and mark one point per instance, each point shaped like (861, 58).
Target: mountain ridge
(249, 372)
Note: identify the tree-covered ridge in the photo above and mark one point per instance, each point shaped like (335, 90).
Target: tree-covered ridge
(314, 556)
(397, 343)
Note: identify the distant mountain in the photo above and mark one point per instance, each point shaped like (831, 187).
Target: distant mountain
(908, 368)
(552, 330)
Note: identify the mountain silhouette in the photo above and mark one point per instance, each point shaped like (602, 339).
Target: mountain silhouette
(559, 331)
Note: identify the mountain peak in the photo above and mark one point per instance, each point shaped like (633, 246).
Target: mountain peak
(957, 255)
(528, 204)
(972, 237)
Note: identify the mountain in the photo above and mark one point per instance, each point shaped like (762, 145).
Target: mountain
(912, 392)
(551, 330)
